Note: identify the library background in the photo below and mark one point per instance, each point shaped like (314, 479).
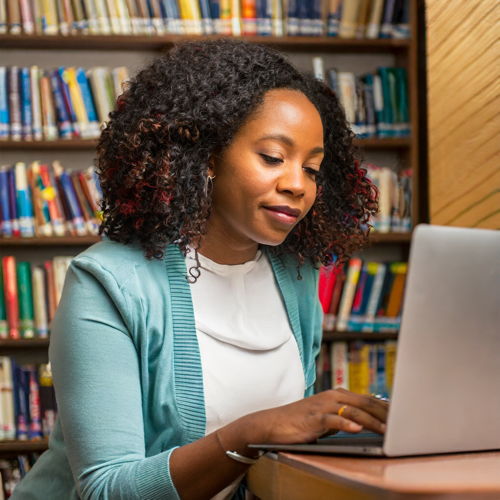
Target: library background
(417, 82)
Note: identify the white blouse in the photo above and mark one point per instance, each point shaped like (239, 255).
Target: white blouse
(249, 356)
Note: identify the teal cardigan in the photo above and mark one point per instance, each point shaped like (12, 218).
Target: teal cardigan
(127, 372)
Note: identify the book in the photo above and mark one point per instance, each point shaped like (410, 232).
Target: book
(330, 318)
(7, 398)
(34, 408)
(4, 104)
(25, 293)
(11, 295)
(359, 367)
(339, 356)
(16, 127)
(48, 402)
(4, 329)
(41, 323)
(334, 16)
(357, 317)
(374, 19)
(23, 201)
(353, 271)
(348, 20)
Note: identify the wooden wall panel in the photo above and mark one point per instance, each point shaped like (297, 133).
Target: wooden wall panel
(463, 100)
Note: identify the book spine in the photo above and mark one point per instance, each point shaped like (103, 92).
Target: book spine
(371, 308)
(16, 127)
(26, 314)
(11, 179)
(50, 288)
(68, 104)
(49, 124)
(35, 424)
(15, 25)
(36, 104)
(49, 194)
(7, 230)
(340, 365)
(63, 118)
(4, 104)
(249, 17)
(4, 328)
(76, 99)
(348, 293)
(3, 17)
(375, 18)
(7, 398)
(21, 405)
(334, 16)
(26, 17)
(88, 102)
(39, 302)
(386, 26)
(70, 196)
(26, 112)
(47, 399)
(24, 203)
(11, 295)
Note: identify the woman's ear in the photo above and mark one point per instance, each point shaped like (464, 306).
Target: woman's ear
(211, 166)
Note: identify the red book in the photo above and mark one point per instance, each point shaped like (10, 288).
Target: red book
(11, 296)
(327, 278)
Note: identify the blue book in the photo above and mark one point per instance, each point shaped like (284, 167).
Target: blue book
(401, 20)
(4, 104)
(317, 18)
(21, 398)
(72, 201)
(24, 203)
(292, 22)
(303, 13)
(63, 87)
(88, 101)
(26, 111)
(6, 227)
(63, 118)
(264, 17)
(386, 25)
(368, 98)
(16, 231)
(207, 23)
(333, 21)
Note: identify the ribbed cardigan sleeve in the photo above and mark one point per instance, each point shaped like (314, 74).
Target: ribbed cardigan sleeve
(98, 387)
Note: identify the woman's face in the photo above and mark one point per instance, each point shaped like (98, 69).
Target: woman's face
(265, 180)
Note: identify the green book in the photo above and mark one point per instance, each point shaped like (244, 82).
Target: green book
(4, 330)
(25, 292)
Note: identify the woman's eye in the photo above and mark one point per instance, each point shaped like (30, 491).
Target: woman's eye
(312, 171)
(271, 159)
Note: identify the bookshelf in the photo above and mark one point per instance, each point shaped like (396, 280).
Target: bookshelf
(358, 54)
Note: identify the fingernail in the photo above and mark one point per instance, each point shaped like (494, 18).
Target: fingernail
(355, 426)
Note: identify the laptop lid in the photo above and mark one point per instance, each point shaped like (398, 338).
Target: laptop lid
(446, 392)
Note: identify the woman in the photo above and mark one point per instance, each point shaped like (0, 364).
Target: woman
(191, 331)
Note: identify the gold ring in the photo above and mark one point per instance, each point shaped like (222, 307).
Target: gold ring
(341, 410)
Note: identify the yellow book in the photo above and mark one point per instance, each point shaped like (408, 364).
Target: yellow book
(359, 368)
(390, 363)
(103, 22)
(123, 17)
(349, 18)
(69, 76)
(51, 25)
(277, 13)
(235, 18)
(114, 20)
(347, 298)
(225, 17)
(191, 16)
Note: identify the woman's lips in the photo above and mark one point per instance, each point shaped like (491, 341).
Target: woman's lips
(283, 214)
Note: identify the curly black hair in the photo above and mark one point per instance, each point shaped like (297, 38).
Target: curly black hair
(153, 155)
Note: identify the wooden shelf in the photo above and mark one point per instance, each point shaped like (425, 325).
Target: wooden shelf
(24, 343)
(375, 336)
(52, 241)
(375, 238)
(15, 446)
(142, 42)
(90, 144)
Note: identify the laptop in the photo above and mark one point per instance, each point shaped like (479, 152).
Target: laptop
(446, 391)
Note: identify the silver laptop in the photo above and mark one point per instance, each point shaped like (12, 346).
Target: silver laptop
(446, 392)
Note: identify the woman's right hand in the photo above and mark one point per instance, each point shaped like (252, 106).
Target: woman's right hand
(310, 418)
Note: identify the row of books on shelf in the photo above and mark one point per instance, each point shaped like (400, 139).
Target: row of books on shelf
(362, 296)
(29, 295)
(48, 200)
(28, 407)
(375, 104)
(343, 18)
(69, 102)
(361, 367)
(65, 103)
(394, 198)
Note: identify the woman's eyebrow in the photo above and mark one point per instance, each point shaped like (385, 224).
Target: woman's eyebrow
(288, 141)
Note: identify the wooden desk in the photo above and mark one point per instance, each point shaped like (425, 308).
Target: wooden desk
(290, 476)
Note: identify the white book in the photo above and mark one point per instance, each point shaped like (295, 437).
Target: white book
(60, 266)
(36, 105)
(373, 27)
(103, 23)
(347, 298)
(97, 77)
(7, 398)
(39, 302)
(347, 92)
(339, 362)
(373, 300)
(113, 17)
(319, 68)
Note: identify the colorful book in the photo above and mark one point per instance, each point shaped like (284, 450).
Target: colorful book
(25, 293)
(11, 296)
(346, 301)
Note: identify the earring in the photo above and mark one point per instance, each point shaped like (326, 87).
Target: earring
(210, 180)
